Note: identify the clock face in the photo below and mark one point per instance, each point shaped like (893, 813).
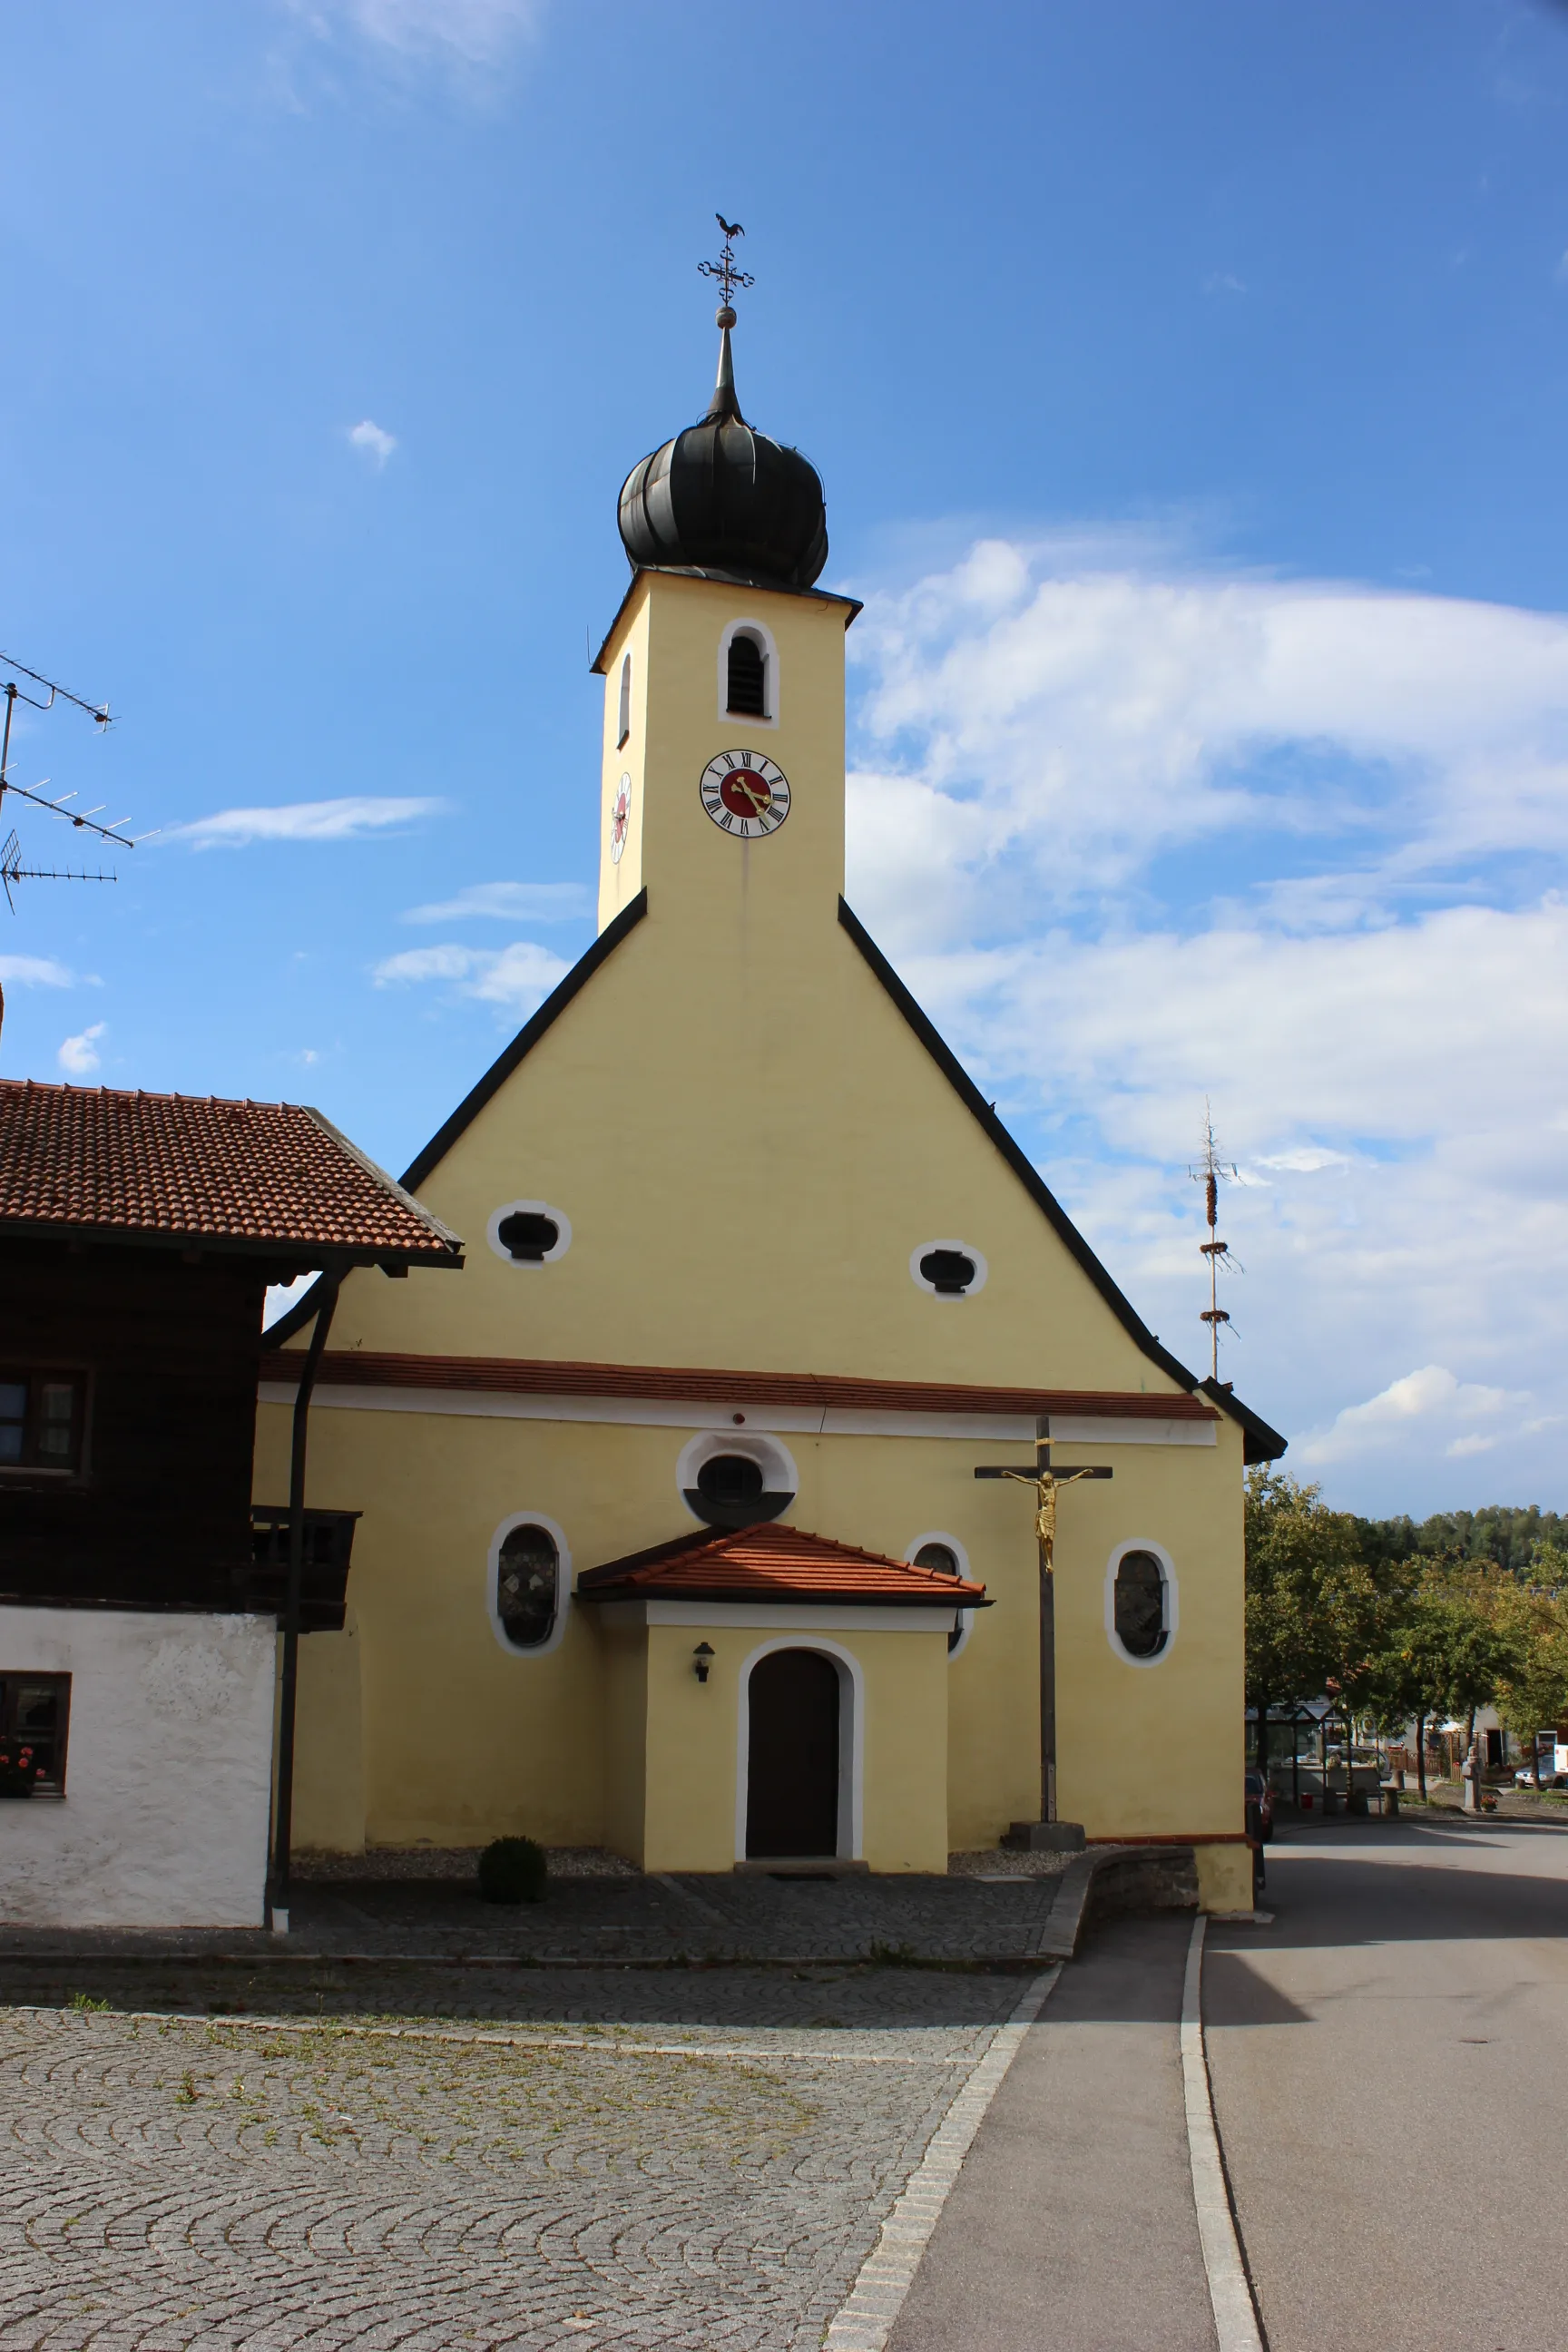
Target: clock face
(620, 816)
(744, 793)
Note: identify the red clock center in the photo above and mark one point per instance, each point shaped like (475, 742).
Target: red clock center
(744, 793)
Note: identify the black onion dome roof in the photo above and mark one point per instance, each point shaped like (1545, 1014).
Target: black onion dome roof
(723, 498)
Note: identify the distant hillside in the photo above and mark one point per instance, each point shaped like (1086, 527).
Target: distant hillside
(1502, 1532)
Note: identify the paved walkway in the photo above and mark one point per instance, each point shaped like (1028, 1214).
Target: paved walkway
(1071, 2228)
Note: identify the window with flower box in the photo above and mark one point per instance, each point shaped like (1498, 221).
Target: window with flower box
(42, 1418)
(34, 1718)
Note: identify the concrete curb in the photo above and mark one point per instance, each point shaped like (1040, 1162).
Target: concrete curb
(1100, 1885)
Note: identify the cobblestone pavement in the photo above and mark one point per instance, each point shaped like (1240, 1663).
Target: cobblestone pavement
(653, 1918)
(685, 2160)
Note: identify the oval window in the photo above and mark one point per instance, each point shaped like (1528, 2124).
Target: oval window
(1140, 1604)
(528, 1583)
(528, 1235)
(949, 1272)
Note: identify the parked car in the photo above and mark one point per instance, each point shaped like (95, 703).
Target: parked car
(1260, 1794)
(1525, 1778)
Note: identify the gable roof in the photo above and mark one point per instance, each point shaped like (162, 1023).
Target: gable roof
(772, 1563)
(271, 1179)
(1260, 1442)
(1263, 1444)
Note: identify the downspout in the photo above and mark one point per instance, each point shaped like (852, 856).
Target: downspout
(283, 1807)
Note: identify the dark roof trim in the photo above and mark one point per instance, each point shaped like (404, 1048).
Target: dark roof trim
(1044, 1199)
(852, 604)
(494, 1078)
(1262, 1443)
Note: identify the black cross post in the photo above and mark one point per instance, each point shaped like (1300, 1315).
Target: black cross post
(1047, 1484)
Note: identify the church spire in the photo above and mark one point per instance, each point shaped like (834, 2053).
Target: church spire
(723, 406)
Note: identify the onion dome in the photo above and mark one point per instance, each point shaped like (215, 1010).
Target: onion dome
(723, 498)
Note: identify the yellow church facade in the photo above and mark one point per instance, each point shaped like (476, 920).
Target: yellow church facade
(672, 1537)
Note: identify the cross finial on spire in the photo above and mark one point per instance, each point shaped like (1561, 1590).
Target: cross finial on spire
(725, 270)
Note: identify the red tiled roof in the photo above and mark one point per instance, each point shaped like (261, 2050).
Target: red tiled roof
(270, 1176)
(814, 1392)
(774, 1563)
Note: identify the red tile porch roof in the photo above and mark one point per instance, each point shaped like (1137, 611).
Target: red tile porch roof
(773, 1563)
(275, 1177)
(692, 1384)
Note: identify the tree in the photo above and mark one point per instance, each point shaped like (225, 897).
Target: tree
(1447, 1652)
(1309, 1597)
(1533, 1694)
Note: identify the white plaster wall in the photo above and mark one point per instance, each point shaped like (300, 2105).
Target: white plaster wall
(168, 1773)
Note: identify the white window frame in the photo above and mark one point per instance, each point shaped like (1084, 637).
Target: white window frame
(960, 1554)
(949, 1297)
(851, 1740)
(563, 1584)
(1170, 1601)
(746, 627)
(528, 1208)
(624, 705)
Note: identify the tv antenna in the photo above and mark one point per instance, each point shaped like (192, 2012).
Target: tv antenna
(12, 869)
(1209, 1173)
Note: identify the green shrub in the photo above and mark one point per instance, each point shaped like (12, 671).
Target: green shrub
(513, 1870)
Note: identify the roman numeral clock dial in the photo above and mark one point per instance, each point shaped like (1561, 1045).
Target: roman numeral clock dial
(744, 793)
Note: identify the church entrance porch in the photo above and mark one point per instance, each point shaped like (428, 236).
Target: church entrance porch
(793, 1756)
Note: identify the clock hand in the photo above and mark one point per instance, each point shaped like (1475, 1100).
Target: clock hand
(760, 801)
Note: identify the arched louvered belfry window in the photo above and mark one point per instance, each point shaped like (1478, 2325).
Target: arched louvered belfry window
(748, 676)
(1140, 1613)
(625, 717)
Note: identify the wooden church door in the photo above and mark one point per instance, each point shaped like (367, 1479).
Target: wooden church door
(791, 1784)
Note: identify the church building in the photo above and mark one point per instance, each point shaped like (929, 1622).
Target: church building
(671, 1536)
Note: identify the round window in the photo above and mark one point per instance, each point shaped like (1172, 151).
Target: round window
(732, 1492)
(528, 1581)
(939, 1556)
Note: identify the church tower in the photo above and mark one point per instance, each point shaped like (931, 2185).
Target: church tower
(723, 742)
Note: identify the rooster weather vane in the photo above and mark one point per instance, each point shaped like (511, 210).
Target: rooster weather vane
(725, 269)
(12, 869)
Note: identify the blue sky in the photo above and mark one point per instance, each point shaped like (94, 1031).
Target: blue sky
(1189, 389)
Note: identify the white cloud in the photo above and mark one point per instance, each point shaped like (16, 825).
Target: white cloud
(1071, 711)
(34, 972)
(1138, 835)
(471, 32)
(511, 902)
(1433, 1395)
(341, 820)
(374, 439)
(518, 977)
(78, 1056)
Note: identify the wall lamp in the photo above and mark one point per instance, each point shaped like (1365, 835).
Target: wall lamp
(702, 1653)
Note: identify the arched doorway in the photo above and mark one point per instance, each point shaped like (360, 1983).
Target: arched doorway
(791, 1765)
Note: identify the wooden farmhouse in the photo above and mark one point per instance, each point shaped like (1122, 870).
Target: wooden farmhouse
(139, 1595)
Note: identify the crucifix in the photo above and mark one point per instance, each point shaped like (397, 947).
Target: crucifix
(1048, 1483)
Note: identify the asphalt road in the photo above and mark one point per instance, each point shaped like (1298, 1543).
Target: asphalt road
(1389, 2070)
